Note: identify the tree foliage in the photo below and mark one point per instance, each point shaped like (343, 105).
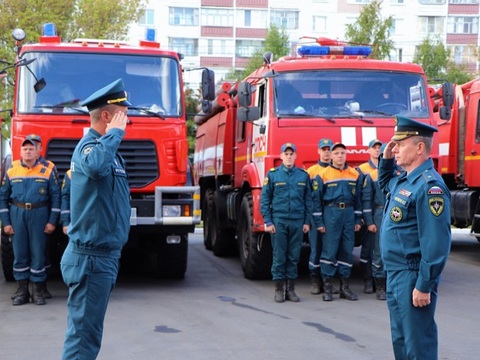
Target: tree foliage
(371, 28)
(435, 60)
(275, 42)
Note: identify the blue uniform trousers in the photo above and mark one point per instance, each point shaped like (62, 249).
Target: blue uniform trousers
(414, 331)
(367, 242)
(90, 279)
(377, 263)
(29, 243)
(338, 241)
(287, 246)
(315, 241)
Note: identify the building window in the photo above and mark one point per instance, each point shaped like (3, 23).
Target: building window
(147, 18)
(431, 24)
(251, 18)
(396, 27)
(220, 47)
(463, 1)
(397, 2)
(284, 19)
(319, 23)
(361, 1)
(187, 47)
(432, 2)
(183, 16)
(463, 25)
(217, 17)
(246, 48)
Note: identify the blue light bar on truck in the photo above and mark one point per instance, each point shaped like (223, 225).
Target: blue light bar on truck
(150, 34)
(315, 50)
(49, 29)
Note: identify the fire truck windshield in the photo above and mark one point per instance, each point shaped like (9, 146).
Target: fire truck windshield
(350, 93)
(152, 82)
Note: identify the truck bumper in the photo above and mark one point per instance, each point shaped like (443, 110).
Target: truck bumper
(183, 209)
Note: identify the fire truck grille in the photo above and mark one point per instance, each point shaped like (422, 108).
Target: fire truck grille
(140, 158)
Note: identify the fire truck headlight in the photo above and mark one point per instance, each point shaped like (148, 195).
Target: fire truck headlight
(172, 210)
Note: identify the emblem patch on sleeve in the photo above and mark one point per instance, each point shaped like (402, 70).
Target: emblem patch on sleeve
(265, 181)
(396, 214)
(87, 150)
(435, 190)
(315, 185)
(436, 205)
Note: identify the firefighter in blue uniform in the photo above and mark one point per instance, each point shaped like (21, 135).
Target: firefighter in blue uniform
(415, 238)
(29, 210)
(65, 191)
(337, 214)
(315, 237)
(286, 206)
(100, 221)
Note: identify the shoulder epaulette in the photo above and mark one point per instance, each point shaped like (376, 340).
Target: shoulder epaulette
(430, 175)
(273, 169)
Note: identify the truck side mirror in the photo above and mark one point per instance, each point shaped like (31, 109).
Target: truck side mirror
(245, 90)
(445, 113)
(208, 84)
(447, 94)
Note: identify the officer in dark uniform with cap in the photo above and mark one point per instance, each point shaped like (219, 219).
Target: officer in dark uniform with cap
(99, 221)
(286, 206)
(415, 238)
(29, 210)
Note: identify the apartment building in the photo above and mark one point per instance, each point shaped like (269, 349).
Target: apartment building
(223, 34)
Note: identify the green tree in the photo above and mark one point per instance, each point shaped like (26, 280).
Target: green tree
(371, 28)
(192, 100)
(275, 42)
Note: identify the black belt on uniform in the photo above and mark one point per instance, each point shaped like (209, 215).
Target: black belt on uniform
(341, 205)
(30, 206)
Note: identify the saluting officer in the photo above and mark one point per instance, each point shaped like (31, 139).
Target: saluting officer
(337, 214)
(29, 210)
(286, 207)
(100, 221)
(415, 238)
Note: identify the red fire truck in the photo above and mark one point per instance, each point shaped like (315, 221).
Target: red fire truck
(55, 77)
(459, 150)
(332, 91)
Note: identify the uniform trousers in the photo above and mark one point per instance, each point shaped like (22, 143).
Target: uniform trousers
(315, 241)
(338, 241)
(29, 243)
(90, 279)
(414, 331)
(377, 263)
(287, 246)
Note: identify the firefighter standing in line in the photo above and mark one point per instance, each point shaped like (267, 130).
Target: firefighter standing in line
(314, 237)
(373, 200)
(100, 221)
(367, 237)
(286, 207)
(415, 238)
(337, 214)
(29, 210)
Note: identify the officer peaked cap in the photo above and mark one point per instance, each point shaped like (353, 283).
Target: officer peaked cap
(114, 93)
(407, 127)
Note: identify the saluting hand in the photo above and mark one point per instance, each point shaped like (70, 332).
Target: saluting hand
(387, 153)
(119, 121)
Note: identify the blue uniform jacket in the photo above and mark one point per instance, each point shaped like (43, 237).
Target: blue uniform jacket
(415, 232)
(372, 197)
(65, 213)
(36, 185)
(337, 186)
(286, 194)
(99, 200)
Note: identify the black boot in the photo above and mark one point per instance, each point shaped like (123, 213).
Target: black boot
(327, 289)
(365, 269)
(368, 285)
(22, 295)
(381, 286)
(291, 291)
(279, 291)
(316, 286)
(345, 292)
(38, 291)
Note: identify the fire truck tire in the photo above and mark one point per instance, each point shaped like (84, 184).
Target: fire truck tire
(207, 211)
(7, 257)
(255, 249)
(172, 259)
(222, 240)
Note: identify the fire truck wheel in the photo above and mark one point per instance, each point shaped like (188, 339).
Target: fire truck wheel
(222, 239)
(255, 248)
(7, 257)
(207, 211)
